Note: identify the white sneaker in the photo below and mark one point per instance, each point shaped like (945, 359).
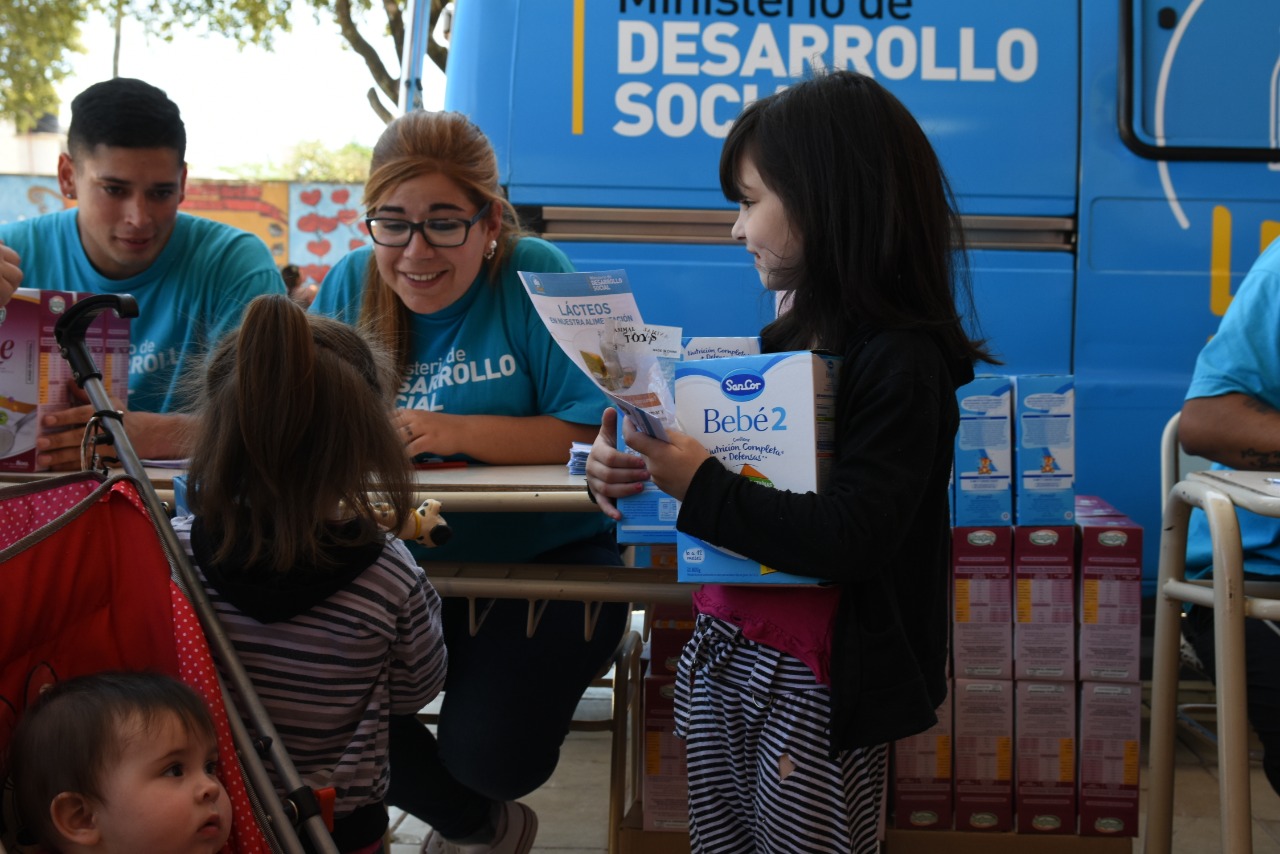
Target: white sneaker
(517, 828)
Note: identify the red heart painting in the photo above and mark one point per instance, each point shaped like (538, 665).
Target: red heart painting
(314, 272)
(310, 197)
(319, 247)
(340, 197)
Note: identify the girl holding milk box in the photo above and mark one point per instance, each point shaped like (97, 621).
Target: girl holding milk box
(789, 696)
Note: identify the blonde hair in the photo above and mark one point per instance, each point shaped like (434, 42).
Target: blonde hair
(295, 423)
(430, 143)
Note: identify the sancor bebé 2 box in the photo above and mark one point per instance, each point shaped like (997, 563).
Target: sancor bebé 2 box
(768, 417)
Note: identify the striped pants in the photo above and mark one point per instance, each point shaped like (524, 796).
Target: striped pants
(760, 778)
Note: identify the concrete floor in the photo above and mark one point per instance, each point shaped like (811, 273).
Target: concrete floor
(572, 806)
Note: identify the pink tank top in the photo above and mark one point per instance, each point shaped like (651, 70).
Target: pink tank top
(794, 620)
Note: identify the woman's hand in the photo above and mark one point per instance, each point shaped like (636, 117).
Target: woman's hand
(500, 440)
(612, 473)
(671, 465)
(427, 432)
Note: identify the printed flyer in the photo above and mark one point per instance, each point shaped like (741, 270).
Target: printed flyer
(594, 319)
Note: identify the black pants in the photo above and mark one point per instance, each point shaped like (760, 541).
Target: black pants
(1262, 679)
(507, 705)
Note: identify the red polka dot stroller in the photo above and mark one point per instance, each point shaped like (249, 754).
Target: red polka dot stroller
(94, 579)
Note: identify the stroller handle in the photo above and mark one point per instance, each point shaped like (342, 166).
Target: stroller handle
(70, 330)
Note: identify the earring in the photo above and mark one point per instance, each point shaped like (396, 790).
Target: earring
(490, 250)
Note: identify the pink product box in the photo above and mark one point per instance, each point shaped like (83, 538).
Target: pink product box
(34, 376)
(1045, 748)
(1044, 629)
(981, 602)
(665, 786)
(28, 325)
(1110, 605)
(1092, 505)
(1110, 730)
(984, 754)
(922, 778)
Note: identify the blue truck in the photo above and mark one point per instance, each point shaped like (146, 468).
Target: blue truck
(1116, 162)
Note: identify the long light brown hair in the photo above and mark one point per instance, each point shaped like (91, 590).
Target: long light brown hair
(294, 424)
(430, 143)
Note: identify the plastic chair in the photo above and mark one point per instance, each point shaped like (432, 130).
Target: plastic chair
(1174, 464)
(1218, 494)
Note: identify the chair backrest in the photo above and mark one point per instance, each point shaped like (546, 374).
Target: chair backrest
(1175, 463)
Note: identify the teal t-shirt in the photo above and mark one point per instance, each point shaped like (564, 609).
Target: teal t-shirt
(487, 354)
(1243, 357)
(193, 293)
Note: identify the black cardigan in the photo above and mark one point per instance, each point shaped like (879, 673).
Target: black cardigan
(880, 528)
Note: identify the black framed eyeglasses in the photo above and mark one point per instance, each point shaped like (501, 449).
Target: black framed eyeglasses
(440, 233)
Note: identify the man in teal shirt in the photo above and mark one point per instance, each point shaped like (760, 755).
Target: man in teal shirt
(125, 168)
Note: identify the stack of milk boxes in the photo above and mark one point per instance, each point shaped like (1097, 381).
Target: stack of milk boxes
(33, 374)
(1041, 729)
(648, 525)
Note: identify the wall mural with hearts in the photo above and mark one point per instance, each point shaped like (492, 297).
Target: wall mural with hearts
(325, 223)
(308, 224)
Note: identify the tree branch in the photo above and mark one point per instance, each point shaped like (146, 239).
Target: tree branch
(395, 23)
(376, 103)
(383, 79)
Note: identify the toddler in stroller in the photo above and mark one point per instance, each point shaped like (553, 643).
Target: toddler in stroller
(120, 761)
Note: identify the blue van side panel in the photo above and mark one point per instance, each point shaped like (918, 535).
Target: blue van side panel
(1151, 238)
(1023, 302)
(994, 83)
(707, 290)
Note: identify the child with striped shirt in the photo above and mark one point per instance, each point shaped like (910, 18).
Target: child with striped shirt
(295, 467)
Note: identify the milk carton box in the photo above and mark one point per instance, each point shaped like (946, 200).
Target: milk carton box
(766, 417)
(1110, 732)
(984, 754)
(1044, 493)
(33, 374)
(697, 348)
(1044, 628)
(982, 602)
(650, 515)
(983, 472)
(1110, 598)
(1045, 751)
(922, 780)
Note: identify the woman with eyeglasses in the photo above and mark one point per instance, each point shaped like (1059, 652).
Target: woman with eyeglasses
(482, 382)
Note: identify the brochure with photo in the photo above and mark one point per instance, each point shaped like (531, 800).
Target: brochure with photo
(594, 319)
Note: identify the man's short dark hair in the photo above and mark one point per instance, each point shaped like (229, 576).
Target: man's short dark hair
(125, 113)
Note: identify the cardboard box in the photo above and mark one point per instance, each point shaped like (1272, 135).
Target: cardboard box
(33, 374)
(696, 348)
(922, 778)
(665, 784)
(983, 471)
(654, 555)
(962, 842)
(1045, 751)
(982, 602)
(1045, 452)
(1092, 505)
(769, 418)
(1110, 606)
(1110, 733)
(670, 627)
(650, 516)
(634, 839)
(1044, 629)
(984, 754)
